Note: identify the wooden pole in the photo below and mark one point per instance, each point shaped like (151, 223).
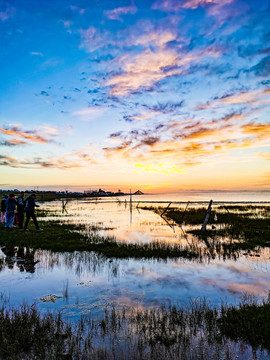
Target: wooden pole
(166, 209)
(205, 221)
(130, 207)
(184, 212)
(130, 197)
(229, 217)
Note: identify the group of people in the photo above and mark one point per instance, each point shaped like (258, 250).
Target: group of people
(24, 206)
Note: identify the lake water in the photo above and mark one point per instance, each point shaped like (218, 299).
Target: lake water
(88, 282)
(195, 195)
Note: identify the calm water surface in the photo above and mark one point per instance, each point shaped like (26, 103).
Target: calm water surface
(89, 282)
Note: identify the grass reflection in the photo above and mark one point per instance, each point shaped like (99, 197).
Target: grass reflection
(198, 331)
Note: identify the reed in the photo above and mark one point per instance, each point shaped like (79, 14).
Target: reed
(198, 331)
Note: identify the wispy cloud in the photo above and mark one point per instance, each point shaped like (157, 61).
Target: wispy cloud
(50, 63)
(115, 14)
(77, 9)
(193, 4)
(261, 130)
(92, 39)
(91, 113)
(144, 70)
(254, 97)
(36, 53)
(38, 162)
(157, 38)
(30, 135)
(6, 10)
(220, 11)
(85, 155)
(145, 115)
(13, 142)
(122, 150)
(264, 155)
(174, 5)
(187, 142)
(149, 67)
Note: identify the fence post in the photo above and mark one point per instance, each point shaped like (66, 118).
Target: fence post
(205, 221)
(166, 209)
(229, 217)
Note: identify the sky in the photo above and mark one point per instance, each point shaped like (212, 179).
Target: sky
(160, 95)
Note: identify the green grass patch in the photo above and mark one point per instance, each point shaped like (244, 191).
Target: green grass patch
(67, 237)
(247, 227)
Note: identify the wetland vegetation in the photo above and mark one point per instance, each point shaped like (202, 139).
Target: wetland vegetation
(232, 228)
(68, 237)
(196, 331)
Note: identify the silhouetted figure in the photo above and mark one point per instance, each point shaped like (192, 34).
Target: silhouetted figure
(20, 209)
(10, 210)
(3, 209)
(30, 205)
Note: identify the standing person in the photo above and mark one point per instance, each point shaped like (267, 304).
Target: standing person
(20, 209)
(30, 205)
(10, 210)
(3, 209)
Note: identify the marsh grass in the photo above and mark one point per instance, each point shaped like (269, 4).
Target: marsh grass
(249, 323)
(248, 227)
(196, 332)
(58, 236)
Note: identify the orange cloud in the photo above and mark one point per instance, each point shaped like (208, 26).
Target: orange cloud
(244, 97)
(188, 142)
(28, 135)
(13, 142)
(149, 67)
(265, 156)
(121, 149)
(85, 157)
(202, 132)
(58, 163)
(143, 116)
(259, 129)
(142, 71)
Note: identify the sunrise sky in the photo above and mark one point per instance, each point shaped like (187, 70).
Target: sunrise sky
(155, 95)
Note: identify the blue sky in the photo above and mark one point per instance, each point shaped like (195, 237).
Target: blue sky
(159, 95)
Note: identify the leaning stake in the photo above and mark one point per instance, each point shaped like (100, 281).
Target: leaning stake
(166, 209)
(205, 221)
